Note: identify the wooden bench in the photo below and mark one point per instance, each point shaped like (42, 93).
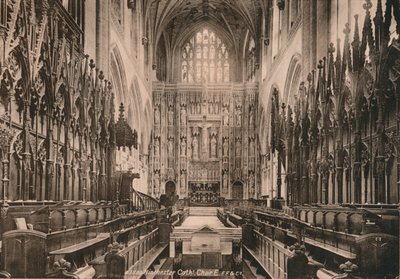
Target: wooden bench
(141, 253)
(145, 263)
(80, 246)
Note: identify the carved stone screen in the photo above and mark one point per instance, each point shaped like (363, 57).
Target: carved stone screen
(205, 139)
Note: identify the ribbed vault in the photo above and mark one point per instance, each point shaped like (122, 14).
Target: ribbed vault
(173, 21)
(180, 14)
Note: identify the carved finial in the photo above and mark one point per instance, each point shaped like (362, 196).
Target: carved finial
(331, 48)
(348, 267)
(62, 265)
(298, 248)
(101, 75)
(115, 247)
(91, 63)
(309, 77)
(320, 64)
(346, 29)
(367, 5)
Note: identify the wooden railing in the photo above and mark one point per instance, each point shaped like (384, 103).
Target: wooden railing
(245, 204)
(50, 218)
(149, 202)
(140, 254)
(79, 232)
(229, 219)
(336, 233)
(133, 252)
(352, 219)
(272, 255)
(277, 259)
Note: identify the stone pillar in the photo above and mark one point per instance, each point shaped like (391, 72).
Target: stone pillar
(102, 35)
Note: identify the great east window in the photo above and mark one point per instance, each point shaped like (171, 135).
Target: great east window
(205, 58)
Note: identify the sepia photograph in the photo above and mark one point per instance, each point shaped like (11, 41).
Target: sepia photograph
(209, 139)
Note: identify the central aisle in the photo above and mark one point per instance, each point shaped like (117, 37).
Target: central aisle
(200, 221)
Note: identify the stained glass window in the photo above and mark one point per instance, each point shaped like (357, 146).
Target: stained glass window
(210, 61)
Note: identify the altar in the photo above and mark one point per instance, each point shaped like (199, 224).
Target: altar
(204, 193)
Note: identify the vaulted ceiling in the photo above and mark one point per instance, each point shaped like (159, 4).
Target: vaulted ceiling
(174, 18)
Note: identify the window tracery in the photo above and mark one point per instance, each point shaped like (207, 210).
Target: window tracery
(205, 57)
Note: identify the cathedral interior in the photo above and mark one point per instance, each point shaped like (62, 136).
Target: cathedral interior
(199, 139)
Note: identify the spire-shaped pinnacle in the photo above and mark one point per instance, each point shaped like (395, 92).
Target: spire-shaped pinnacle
(121, 111)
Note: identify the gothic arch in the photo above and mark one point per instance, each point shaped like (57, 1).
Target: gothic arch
(118, 75)
(293, 79)
(238, 190)
(205, 55)
(225, 37)
(161, 57)
(249, 57)
(170, 188)
(135, 111)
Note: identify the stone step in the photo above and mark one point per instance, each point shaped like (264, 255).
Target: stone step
(203, 211)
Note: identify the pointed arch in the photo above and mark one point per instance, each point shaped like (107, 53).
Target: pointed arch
(293, 79)
(205, 56)
(118, 75)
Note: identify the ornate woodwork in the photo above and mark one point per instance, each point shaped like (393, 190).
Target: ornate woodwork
(337, 142)
(56, 109)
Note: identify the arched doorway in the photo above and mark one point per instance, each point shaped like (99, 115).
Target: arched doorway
(170, 188)
(237, 190)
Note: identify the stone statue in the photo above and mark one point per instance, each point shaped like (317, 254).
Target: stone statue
(183, 115)
(238, 148)
(238, 116)
(213, 149)
(170, 116)
(183, 147)
(156, 115)
(251, 117)
(195, 148)
(226, 116)
(225, 147)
